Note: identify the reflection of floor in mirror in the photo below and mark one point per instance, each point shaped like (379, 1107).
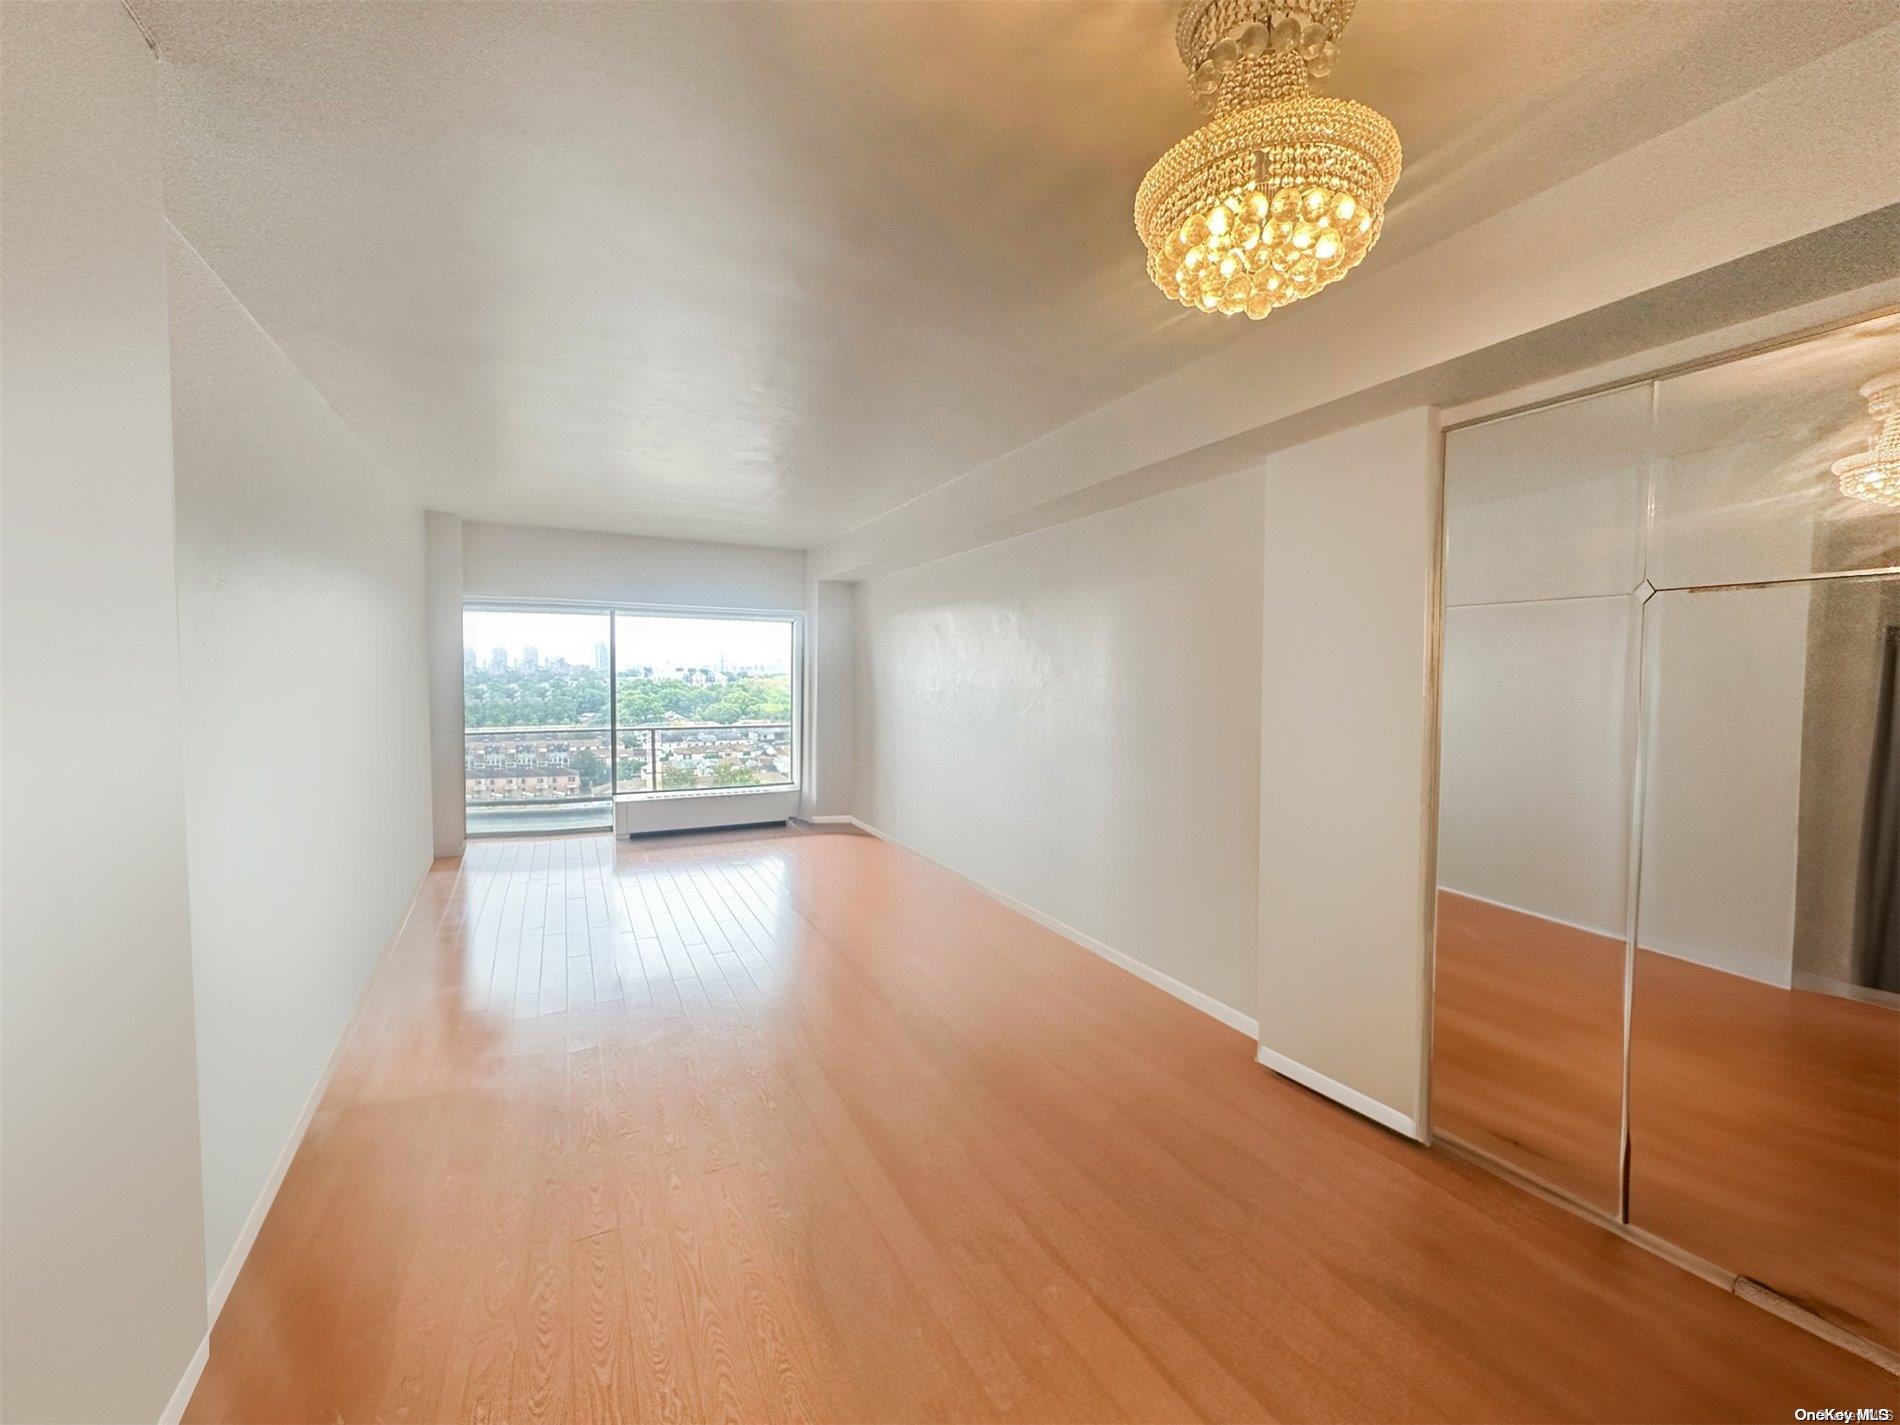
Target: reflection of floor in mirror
(1527, 1045)
(1765, 1136)
(1764, 1122)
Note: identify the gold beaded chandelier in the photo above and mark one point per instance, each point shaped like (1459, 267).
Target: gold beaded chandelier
(1874, 473)
(1283, 191)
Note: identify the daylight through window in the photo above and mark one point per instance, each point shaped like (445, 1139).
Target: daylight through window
(566, 710)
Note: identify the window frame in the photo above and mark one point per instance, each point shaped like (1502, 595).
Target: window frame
(610, 609)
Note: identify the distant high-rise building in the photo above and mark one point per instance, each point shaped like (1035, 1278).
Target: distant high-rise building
(600, 657)
(498, 660)
(531, 657)
(468, 660)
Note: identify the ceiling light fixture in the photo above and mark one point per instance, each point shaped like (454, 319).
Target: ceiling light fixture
(1874, 473)
(1283, 191)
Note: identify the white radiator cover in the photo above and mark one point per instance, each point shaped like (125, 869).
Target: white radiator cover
(694, 811)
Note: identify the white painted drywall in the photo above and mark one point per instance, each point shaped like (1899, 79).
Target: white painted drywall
(830, 699)
(301, 627)
(448, 786)
(1071, 719)
(522, 562)
(102, 1289)
(1344, 718)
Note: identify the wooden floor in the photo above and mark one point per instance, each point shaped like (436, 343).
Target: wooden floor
(799, 1127)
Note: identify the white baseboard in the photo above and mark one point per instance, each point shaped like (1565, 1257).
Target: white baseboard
(835, 821)
(1187, 994)
(175, 1408)
(1382, 1114)
(247, 1238)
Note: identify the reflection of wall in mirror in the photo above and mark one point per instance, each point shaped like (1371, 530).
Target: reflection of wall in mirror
(1763, 731)
(1536, 756)
(1549, 504)
(1722, 786)
(1851, 625)
(1742, 457)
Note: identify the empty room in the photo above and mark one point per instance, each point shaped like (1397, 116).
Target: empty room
(857, 711)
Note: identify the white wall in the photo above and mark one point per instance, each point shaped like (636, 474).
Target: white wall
(1072, 719)
(522, 562)
(102, 1298)
(300, 611)
(831, 613)
(448, 786)
(1351, 529)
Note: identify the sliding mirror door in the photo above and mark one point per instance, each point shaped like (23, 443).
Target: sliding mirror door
(1764, 1053)
(1764, 1035)
(1544, 538)
(1540, 733)
(1671, 761)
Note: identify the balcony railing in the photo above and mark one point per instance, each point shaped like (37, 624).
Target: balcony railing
(558, 766)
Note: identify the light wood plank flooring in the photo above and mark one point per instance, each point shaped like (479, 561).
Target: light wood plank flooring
(799, 1127)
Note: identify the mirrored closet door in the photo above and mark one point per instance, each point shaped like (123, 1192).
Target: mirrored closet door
(1544, 533)
(1667, 972)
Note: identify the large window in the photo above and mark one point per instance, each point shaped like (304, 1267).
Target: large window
(566, 710)
(702, 702)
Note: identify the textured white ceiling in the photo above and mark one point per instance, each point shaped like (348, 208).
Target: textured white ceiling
(763, 271)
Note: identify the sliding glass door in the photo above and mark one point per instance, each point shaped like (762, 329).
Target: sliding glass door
(565, 710)
(538, 726)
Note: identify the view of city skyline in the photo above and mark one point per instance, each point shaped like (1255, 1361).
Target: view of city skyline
(658, 642)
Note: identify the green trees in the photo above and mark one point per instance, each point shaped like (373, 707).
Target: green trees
(535, 697)
(555, 697)
(654, 700)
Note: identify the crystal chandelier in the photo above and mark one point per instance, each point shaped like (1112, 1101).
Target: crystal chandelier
(1874, 473)
(1283, 191)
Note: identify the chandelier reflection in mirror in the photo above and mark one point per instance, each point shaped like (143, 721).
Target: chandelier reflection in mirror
(1874, 473)
(1283, 191)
